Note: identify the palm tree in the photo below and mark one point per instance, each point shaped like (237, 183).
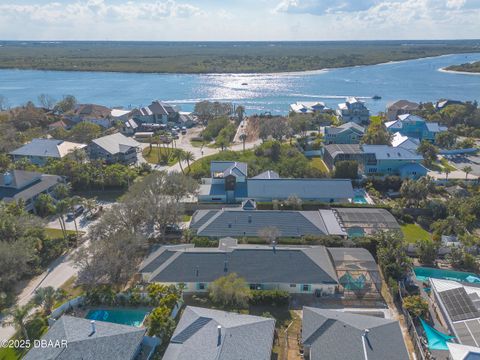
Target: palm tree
(75, 200)
(61, 208)
(240, 111)
(46, 298)
(446, 171)
(18, 317)
(243, 138)
(188, 157)
(180, 155)
(467, 170)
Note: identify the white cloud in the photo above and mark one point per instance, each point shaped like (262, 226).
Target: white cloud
(321, 7)
(98, 10)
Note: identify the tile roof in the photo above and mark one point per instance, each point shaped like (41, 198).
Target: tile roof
(254, 263)
(116, 143)
(337, 335)
(109, 342)
(241, 336)
(47, 148)
(236, 222)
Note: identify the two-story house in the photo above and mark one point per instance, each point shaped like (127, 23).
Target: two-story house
(400, 107)
(415, 126)
(157, 112)
(115, 148)
(349, 133)
(353, 110)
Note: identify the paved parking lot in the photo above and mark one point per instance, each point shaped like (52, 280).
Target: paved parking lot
(461, 161)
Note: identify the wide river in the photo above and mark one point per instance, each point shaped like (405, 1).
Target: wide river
(416, 80)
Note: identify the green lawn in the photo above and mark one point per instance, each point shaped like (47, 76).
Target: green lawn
(318, 163)
(160, 155)
(57, 233)
(413, 232)
(9, 354)
(197, 143)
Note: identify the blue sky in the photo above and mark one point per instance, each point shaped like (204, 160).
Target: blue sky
(238, 19)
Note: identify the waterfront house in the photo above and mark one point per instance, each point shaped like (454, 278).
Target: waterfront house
(264, 267)
(115, 148)
(353, 110)
(349, 133)
(73, 338)
(26, 186)
(443, 103)
(157, 112)
(92, 113)
(308, 107)
(129, 127)
(206, 334)
(416, 127)
(38, 151)
(338, 335)
(400, 107)
(229, 183)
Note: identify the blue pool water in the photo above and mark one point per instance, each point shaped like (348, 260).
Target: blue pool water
(360, 199)
(423, 273)
(416, 80)
(132, 317)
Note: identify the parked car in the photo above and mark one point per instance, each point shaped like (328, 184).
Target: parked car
(173, 229)
(184, 130)
(77, 211)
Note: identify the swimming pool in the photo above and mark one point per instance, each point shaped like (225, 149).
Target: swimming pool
(132, 317)
(360, 199)
(423, 273)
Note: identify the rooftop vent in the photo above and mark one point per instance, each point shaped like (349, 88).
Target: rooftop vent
(94, 329)
(7, 178)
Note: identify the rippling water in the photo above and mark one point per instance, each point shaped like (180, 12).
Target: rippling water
(416, 80)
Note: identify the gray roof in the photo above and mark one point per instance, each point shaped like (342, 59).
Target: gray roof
(157, 108)
(303, 188)
(403, 105)
(236, 222)
(337, 335)
(344, 127)
(109, 342)
(352, 258)
(26, 184)
(254, 263)
(243, 337)
(366, 218)
(116, 143)
(269, 174)
(435, 127)
(336, 149)
(47, 148)
(385, 152)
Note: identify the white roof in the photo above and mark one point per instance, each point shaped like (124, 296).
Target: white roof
(405, 142)
(47, 148)
(462, 352)
(119, 112)
(442, 285)
(116, 143)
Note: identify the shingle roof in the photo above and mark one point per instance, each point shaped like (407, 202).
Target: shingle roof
(116, 143)
(157, 108)
(26, 185)
(303, 188)
(254, 263)
(109, 342)
(337, 335)
(47, 148)
(236, 222)
(242, 336)
(403, 105)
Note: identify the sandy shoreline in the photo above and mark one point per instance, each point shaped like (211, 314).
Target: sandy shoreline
(458, 72)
